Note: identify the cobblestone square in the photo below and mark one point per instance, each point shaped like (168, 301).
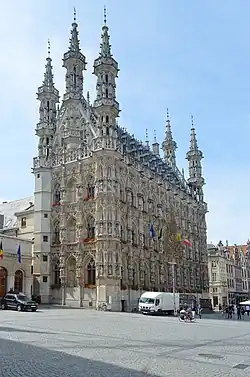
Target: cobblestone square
(63, 342)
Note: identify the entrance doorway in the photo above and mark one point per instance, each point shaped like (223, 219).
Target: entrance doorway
(18, 282)
(3, 281)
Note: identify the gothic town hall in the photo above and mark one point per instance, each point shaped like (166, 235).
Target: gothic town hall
(100, 194)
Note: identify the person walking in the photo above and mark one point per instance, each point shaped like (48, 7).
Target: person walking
(242, 312)
(238, 312)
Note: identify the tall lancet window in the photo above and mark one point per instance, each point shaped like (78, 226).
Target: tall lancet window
(48, 111)
(74, 77)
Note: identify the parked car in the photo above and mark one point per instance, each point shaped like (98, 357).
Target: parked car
(19, 302)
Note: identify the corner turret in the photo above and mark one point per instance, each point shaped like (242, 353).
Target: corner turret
(75, 63)
(48, 96)
(169, 146)
(105, 105)
(194, 157)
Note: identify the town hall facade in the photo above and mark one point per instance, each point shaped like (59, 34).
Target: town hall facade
(99, 192)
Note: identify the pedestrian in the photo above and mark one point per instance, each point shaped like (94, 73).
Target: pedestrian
(238, 312)
(199, 310)
(242, 312)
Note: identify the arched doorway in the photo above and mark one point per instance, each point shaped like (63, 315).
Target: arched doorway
(18, 282)
(3, 281)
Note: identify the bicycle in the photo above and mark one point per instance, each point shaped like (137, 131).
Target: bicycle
(102, 307)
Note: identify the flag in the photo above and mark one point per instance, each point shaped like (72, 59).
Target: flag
(1, 250)
(178, 237)
(19, 256)
(152, 231)
(160, 234)
(187, 243)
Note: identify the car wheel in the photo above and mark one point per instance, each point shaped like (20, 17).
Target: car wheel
(34, 310)
(3, 306)
(19, 308)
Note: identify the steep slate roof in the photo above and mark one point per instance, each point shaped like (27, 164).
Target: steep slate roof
(145, 155)
(8, 209)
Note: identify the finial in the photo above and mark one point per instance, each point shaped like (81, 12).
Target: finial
(192, 121)
(48, 47)
(74, 14)
(146, 135)
(105, 15)
(168, 115)
(155, 136)
(183, 172)
(88, 100)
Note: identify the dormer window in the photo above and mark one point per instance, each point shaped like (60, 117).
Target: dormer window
(23, 222)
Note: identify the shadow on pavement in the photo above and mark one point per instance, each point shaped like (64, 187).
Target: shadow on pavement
(13, 329)
(30, 361)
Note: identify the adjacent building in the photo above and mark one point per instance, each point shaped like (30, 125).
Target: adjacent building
(14, 273)
(229, 273)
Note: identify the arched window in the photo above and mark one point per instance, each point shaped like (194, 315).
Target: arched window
(56, 272)
(90, 189)
(18, 281)
(133, 236)
(107, 119)
(71, 272)
(74, 77)
(91, 273)
(106, 93)
(3, 281)
(91, 227)
(106, 79)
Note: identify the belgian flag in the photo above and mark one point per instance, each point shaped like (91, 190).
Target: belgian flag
(1, 250)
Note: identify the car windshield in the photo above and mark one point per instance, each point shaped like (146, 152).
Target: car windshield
(22, 297)
(147, 300)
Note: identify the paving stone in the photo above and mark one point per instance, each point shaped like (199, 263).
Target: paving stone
(56, 342)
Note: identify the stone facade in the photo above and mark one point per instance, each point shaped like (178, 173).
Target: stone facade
(98, 190)
(229, 273)
(13, 274)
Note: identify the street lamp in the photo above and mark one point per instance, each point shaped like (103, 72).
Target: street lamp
(174, 283)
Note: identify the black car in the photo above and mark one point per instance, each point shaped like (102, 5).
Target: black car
(19, 302)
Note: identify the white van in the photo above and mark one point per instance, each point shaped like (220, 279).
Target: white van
(159, 303)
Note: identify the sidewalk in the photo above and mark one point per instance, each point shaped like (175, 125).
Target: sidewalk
(220, 316)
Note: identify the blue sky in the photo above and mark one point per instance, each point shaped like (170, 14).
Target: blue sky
(192, 57)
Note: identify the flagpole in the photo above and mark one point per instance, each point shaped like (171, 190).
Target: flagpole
(174, 288)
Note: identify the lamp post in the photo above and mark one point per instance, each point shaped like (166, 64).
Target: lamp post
(174, 285)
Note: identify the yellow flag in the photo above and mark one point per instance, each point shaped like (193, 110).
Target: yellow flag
(178, 237)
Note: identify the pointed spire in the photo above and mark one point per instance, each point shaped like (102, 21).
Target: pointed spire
(146, 138)
(169, 146)
(105, 45)
(74, 43)
(48, 75)
(88, 98)
(155, 145)
(193, 140)
(194, 157)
